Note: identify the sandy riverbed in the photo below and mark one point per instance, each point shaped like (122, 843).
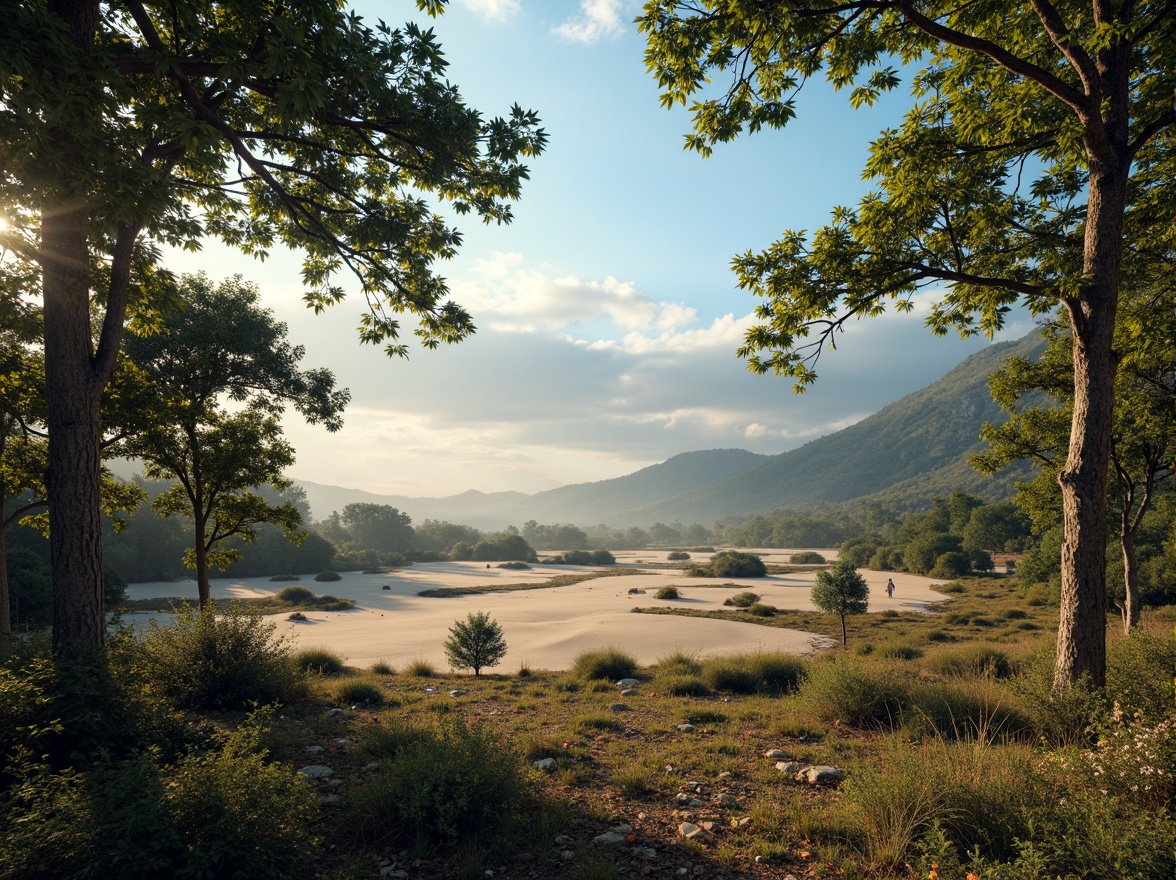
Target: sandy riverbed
(546, 628)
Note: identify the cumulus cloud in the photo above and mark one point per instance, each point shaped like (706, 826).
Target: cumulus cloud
(492, 10)
(597, 19)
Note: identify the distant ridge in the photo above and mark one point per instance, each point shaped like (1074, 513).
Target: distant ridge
(905, 454)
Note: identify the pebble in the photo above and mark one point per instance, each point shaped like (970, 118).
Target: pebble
(609, 838)
(776, 754)
(563, 840)
(645, 852)
(372, 767)
(618, 707)
(788, 766)
(335, 713)
(628, 682)
(314, 750)
(458, 692)
(686, 728)
(546, 765)
(628, 692)
(316, 771)
(329, 800)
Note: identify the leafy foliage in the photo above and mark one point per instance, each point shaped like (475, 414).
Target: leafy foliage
(475, 643)
(841, 590)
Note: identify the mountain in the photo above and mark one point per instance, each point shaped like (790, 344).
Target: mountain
(905, 454)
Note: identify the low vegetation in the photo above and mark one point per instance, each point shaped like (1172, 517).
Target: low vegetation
(731, 563)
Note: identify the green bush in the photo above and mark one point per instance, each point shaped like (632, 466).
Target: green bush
(667, 592)
(854, 693)
(226, 660)
(328, 576)
(420, 668)
(1140, 673)
(319, 661)
(732, 563)
(677, 556)
(898, 650)
(513, 566)
(807, 557)
(382, 667)
(680, 685)
(278, 578)
(609, 663)
(744, 600)
(294, 595)
(359, 690)
(968, 709)
(951, 565)
(440, 785)
(679, 662)
(588, 557)
(730, 674)
(970, 660)
(758, 609)
(762, 672)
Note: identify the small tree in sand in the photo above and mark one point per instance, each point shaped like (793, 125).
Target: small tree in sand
(475, 642)
(841, 590)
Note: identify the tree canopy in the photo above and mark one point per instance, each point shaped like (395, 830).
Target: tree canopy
(1035, 160)
(126, 126)
(841, 590)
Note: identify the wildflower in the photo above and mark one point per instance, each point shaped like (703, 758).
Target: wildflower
(972, 875)
(933, 875)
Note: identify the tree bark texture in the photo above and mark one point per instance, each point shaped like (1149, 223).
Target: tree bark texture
(203, 587)
(1130, 575)
(5, 608)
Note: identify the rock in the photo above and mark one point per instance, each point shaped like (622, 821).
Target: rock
(725, 800)
(789, 767)
(458, 692)
(741, 822)
(622, 829)
(547, 765)
(776, 754)
(335, 783)
(563, 840)
(609, 838)
(314, 750)
(329, 800)
(393, 874)
(335, 713)
(685, 800)
(686, 728)
(645, 852)
(628, 682)
(386, 587)
(567, 855)
(372, 767)
(726, 774)
(618, 707)
(823, 775)
(316, 771)
(629, 692)
(691, 831)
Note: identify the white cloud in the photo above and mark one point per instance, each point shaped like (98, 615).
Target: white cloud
(492, 10)
(598, 18)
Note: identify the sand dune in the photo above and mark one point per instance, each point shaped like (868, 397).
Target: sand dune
(545, 628)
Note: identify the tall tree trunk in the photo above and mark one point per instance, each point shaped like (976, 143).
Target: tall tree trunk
(844, 640)
(73, 394)
(203, 587)
(1082, 625)
(1130, 575)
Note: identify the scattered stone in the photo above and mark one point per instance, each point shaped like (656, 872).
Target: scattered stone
(726, 774)
(329, 800)
(393, 874)
(458, 692)
(622, 829)
(683, 799)
(682, 872)
(725, 800)
(316, 771)
(546, 765)
(686, 728)
(699, 870)
(335, 713)
(789, 877)
(776, 754)
(609, 838)
(563, 840)
(691, 831)
(628, 682)
(618, 707)
(692, 784)
(823, 775)
(645, 852)
(372, 767)
(567, 855)
(628, 692)
(789, 767)
(314, 750)
(343, 743)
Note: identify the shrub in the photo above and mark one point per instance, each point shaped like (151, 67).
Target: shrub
(284, 577)
(951, 565)
(609, 663)
(229, 659)
(667, 592)
(294, 595)
(382, 667)
(587, 725)
(588, 557)
(762, 672)
(319, 661)
(677, 556)
(420, 668)
(475, 643)
(807, 557)
(729, 674)
(513, 566)
(732, 563)
(854, 693)
(328, 576)
(1139, 673)
(970, 660)
(841, 590)
(679, 685)
(758, 609)
(679, 662)
(360, 690)
(896, 650)
(969, 710)
(744, 599)
(440, 785)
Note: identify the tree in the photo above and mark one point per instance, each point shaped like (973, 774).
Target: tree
(1034, 156)
(1040, 399)
(841, 590)
(378, 527)
(222, 348)
(127, 126)
(475, 643)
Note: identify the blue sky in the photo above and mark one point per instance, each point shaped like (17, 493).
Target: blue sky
(607, 312)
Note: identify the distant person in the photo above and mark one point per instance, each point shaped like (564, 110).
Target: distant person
(890, 587)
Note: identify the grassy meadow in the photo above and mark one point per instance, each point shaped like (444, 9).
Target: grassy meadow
(957, 764)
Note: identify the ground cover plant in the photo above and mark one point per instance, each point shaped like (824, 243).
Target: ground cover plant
(955, 761)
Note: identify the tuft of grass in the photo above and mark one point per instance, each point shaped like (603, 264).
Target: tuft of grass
(634, 781)
(729, 674)
(381, 667)
(745, 599)
(679, 662)
(970, 660)
(320, 661)
(589, 724)
(897, 650)
(294, 595)
(683, 686)
(771, 673)
(419, 667)
(855, 693)
(366, 691)
(609, 663)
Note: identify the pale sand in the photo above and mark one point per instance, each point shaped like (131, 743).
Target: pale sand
(547, 628)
